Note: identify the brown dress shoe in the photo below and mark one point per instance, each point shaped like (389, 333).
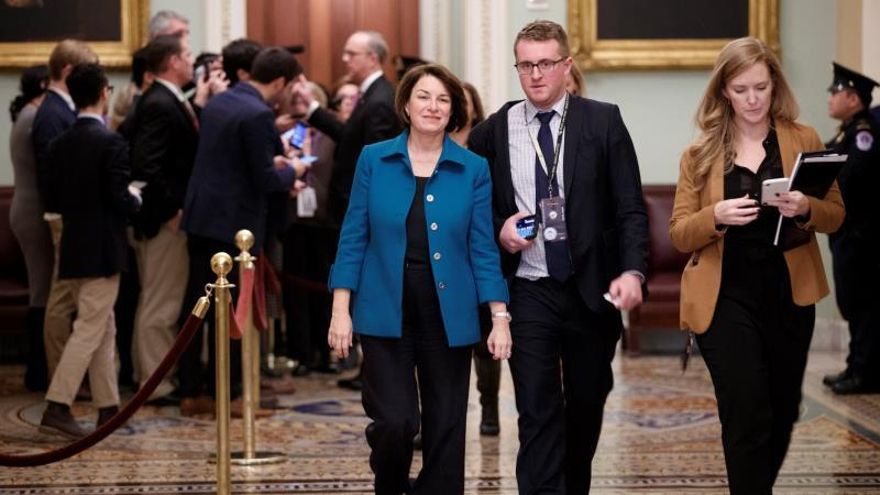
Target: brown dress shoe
(105, 414)
(58, 420)
(194, 406)
(236, 409)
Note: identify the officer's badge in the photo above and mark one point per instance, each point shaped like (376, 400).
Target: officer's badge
(864, 141)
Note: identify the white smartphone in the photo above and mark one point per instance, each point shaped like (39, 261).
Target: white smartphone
(611, 300)
(772, 188)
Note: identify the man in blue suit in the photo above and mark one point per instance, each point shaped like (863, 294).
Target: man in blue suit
(239, 163)
(56, 115)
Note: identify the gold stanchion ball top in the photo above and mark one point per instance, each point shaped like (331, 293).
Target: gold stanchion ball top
(244, 239)
(221, 264)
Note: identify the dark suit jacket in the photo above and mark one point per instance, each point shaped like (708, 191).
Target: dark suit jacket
(163, 149)
(234, 174)
(93, 167)
(52, 119)
(854, 246)
(373, 120)
(604, 210)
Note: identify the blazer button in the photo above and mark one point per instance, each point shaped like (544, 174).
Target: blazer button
(434, 226)
(442, 285)
(437, 256)
(430, 198)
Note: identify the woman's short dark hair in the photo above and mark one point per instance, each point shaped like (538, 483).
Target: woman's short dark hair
(458, 115)
(33, 83)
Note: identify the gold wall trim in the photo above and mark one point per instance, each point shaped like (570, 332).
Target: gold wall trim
(592, 53)
(135, 15)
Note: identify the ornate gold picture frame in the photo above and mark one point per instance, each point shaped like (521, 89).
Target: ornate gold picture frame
(115, 52)
(591, 51)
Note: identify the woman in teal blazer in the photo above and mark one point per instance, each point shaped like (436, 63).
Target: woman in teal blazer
(416, 257)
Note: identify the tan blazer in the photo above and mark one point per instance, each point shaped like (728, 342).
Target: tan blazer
(692, 229)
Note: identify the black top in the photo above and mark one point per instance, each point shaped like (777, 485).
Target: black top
(741, 181)
(416, 233)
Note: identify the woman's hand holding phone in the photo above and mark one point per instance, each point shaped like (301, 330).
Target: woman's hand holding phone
(737, 211)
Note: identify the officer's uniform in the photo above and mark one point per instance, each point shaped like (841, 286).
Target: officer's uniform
(856, 245)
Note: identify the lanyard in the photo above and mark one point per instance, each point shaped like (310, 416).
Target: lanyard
(551, 172)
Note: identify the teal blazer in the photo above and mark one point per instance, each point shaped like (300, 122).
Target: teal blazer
(372, 244)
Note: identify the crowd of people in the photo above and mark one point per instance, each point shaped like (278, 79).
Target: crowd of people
(443, 236)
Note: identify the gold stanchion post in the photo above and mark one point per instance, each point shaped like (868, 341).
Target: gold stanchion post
(221, 264)
(250, 366)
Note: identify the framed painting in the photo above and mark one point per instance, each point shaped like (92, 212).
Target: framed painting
(664, 34)
(29, 29)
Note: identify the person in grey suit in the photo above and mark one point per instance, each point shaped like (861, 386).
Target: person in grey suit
(26, 218)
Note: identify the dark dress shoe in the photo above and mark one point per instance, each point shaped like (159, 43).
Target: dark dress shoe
(300, 370)
(328, 368)
(58, 420)
(489, 425)
(829, 380)
(105, 414)
(854, 384)
(165, 401)
(351, 383)
(489, 429)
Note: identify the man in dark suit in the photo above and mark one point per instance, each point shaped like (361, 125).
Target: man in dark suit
(163, 146)
(372, 120)
(854, 246)
(93, 196)
(584, 188)
(239, 164)
(55, 115)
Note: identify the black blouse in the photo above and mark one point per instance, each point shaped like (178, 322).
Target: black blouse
(416, 232)
(741, 181)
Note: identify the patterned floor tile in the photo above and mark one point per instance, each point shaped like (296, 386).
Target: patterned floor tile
(661, 436)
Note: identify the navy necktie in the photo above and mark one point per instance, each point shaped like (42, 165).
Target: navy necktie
(556, 253)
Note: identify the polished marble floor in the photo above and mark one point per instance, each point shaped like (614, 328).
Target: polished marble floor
(661, 436)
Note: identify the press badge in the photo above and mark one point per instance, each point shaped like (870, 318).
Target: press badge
(306, 203)
(553, 219)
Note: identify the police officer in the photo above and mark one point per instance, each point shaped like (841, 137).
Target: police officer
(855, 246)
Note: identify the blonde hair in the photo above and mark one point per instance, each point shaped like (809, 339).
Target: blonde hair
(542, 30)
(714, 116)
(69, 52)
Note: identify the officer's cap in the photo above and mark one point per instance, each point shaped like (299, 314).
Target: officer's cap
(845, 78)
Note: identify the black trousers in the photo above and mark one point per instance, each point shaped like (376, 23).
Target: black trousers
(195, 380)
(309, 251)
(756, 351)
(855, 272)
(391, 396)
(560, 414)
(864, 344)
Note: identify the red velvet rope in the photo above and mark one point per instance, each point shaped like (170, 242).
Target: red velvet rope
(124, 414)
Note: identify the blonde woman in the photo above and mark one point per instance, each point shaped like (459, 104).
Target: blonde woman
(750, 303)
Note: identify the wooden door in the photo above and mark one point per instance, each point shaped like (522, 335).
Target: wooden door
(323, 26)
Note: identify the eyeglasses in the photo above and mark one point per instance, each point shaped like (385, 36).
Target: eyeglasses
(544, 66)
(352, 53)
